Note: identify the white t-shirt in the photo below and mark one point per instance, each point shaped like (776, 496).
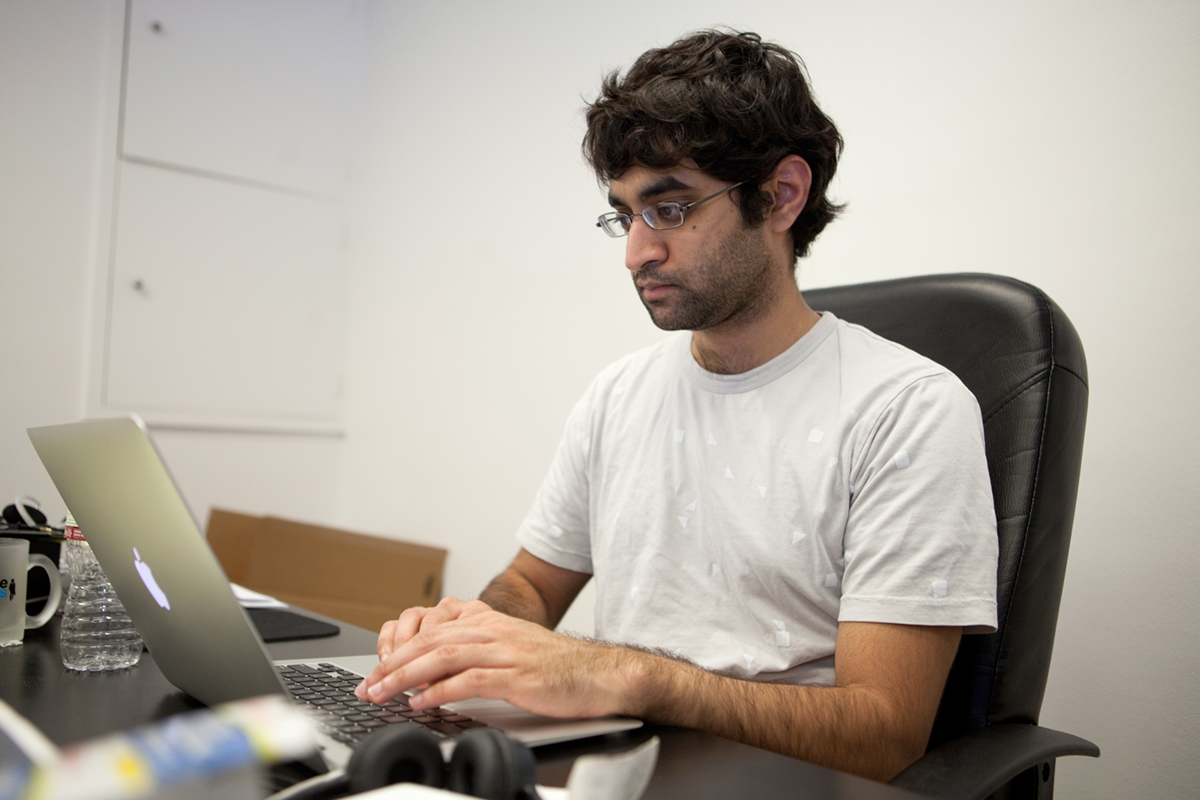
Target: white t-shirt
(736, 519)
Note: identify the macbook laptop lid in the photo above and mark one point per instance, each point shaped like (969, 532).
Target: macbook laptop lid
(119, 490)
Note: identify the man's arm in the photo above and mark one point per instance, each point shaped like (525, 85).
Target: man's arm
(875, 721)
(534, 589)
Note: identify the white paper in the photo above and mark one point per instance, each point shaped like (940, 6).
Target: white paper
(252, 599)
(623, 776)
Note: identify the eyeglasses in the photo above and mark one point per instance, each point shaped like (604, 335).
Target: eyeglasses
(661, 217)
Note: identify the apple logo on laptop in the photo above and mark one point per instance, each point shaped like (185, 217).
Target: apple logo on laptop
(143, 569)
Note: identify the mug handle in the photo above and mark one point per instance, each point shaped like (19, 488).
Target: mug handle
(39, 560)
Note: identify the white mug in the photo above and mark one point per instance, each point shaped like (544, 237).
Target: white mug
(15, 563)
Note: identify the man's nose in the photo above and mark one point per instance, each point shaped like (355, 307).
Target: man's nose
(643, 246)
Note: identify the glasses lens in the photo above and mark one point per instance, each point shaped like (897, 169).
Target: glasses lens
(615, 224)
(664, 216)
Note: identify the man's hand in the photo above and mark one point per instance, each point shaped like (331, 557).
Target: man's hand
(530, 590)
(396, 632)
(458, 651)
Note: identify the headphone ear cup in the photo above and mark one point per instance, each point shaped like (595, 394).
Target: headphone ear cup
(24, 511)
(396, 754)
(489, 765)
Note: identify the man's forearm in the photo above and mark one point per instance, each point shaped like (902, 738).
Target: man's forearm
(875, 721)
(534, 590)
(510, 593)
(841, 727)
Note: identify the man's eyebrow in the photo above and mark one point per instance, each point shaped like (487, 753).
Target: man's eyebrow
(667, 183)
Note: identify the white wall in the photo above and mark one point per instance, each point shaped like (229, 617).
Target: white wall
(1056, 143)
(53, 98)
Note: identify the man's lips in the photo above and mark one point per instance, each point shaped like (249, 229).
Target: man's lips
(651, 290)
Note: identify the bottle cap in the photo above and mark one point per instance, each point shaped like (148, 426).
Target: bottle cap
(71, 529)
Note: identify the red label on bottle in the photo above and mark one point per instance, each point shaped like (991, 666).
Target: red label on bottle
(73, 532)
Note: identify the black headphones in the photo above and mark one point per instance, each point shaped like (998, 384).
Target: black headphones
(24, 512)
(485, 763)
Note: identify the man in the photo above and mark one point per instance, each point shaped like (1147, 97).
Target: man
(789, 519)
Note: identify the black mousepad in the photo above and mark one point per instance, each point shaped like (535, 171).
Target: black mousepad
(278, 625)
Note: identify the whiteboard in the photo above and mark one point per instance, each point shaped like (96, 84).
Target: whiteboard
(264, 90)
(226, 302)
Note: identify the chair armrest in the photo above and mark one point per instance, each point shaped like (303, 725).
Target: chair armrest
(974, 766)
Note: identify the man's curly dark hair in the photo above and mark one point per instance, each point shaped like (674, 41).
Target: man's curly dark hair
(728, 101)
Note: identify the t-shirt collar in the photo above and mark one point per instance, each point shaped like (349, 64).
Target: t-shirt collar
(760, 375)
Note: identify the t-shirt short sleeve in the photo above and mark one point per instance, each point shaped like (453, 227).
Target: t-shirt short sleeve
(920, 539)
(556, 527)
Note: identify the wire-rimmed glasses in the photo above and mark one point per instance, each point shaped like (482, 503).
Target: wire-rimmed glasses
(660, 217)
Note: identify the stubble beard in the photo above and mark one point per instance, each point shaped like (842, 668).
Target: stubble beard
(731, 285)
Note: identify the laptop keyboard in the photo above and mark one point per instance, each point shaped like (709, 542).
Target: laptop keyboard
(327, 692)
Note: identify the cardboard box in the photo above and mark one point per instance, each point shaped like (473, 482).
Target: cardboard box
(359, 579)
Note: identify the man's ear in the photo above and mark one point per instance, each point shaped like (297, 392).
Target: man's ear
(789, 185)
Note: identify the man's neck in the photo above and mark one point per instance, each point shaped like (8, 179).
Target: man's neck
(733, 348)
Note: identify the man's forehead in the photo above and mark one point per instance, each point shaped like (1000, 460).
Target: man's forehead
(641, 184)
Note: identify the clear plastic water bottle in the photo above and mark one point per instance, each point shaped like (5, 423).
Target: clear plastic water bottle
(97, 633)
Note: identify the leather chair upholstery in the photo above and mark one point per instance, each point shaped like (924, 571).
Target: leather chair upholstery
(1017, 351)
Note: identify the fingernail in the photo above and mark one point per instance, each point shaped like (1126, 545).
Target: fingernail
(375, 691)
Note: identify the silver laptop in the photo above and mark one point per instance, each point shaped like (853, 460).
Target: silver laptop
(117, 486)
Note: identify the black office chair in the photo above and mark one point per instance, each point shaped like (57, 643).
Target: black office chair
(1020, 355)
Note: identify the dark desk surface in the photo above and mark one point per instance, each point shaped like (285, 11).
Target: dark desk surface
(72, 706)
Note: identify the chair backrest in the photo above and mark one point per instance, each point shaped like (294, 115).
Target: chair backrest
(1020, 355)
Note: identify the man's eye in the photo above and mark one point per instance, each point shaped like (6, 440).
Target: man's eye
(669, 214)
